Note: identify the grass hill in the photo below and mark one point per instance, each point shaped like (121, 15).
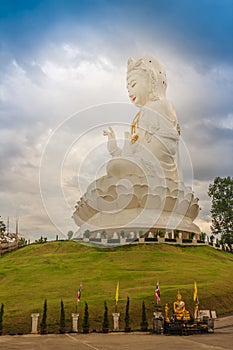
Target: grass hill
(54, 271)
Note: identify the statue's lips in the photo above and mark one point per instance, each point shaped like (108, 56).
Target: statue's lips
(134, 98)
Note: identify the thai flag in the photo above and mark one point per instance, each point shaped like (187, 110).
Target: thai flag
(79, 293)
(157, 292)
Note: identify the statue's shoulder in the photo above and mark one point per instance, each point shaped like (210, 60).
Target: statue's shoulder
(164, 108)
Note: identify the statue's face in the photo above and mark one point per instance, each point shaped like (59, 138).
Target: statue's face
(179, 297)
(138, 87)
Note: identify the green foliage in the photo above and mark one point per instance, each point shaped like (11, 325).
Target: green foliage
(211, 239)
(141, 233)
(86, 317)
(221, 193)
(87, 234)
(1, 316)
(62, 317)
(122, 234)
(127, 317)
(43, 325)
(2, 226)
(41, 240)
(191, 235)
(22, 242)
(144, 323)
(160, 233)
(103, 234)
(106, 319)
(70, 234)
(203, 236)
(2, 231)
(227, 239)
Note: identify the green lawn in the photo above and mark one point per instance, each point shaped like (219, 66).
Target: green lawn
(54, 271)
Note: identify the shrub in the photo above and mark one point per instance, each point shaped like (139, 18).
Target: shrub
(103, 234)
(160, 233)
(144, 323)
(62, 319)
(86, 317)
(43, 324)
(1, 318)
(87, 234)
(106, 320)
(191, 235)
(127, 317)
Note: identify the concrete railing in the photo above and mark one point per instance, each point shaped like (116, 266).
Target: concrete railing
(7, 247)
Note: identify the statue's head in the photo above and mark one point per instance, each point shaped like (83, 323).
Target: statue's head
(148, 73)
(179, 296)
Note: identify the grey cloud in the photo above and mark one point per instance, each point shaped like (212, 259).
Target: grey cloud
(45, 103)
(211, 150)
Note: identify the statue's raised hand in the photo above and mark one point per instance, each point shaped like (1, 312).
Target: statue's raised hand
(112, 143)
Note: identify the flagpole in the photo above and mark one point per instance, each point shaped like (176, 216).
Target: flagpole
(157, 295)
(195, 299)
(117, 296)
(78, 297)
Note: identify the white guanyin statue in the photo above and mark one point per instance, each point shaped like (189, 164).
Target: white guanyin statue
(152, 145)
(143, 187)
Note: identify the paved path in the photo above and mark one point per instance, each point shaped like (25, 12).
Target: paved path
(221, 339)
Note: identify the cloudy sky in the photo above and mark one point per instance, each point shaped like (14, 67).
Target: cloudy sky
(62, 79)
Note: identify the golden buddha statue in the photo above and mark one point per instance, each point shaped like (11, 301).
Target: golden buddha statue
(179, 309)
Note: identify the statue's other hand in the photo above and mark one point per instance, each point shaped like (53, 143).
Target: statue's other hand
(110, 133)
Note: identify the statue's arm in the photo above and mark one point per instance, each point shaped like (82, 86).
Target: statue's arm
(112, 146)
(172, 112)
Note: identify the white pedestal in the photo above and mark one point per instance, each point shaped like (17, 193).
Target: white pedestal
(35, 318)
(75, 322)
(116, 317)
(122, 240)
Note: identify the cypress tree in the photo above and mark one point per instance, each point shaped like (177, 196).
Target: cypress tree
(106, 320)
(144, 323)
(43, 325)
(127, 317)
(62, 319)
(1, 318)
(86, 319)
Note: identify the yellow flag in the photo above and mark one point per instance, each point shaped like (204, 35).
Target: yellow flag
(195, 291)
(117, 292)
